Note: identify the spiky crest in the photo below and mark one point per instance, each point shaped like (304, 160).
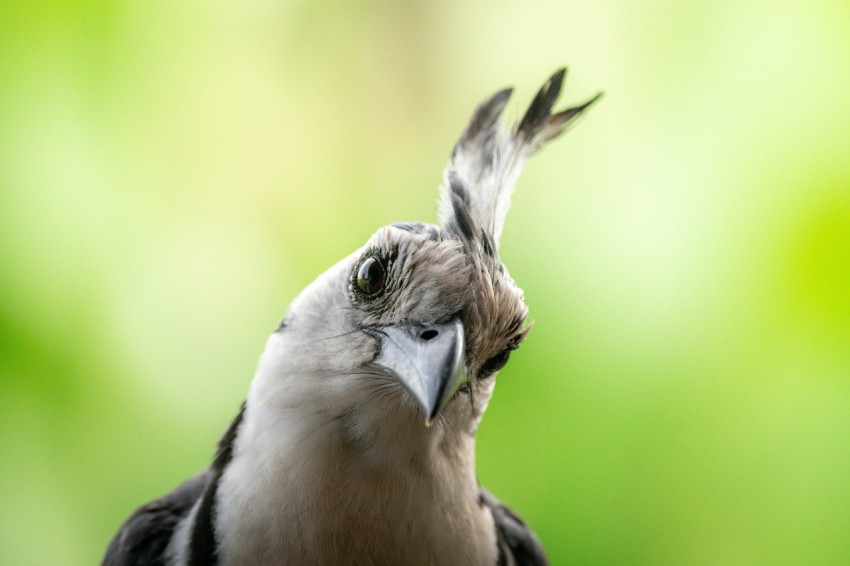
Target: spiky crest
(487, 160)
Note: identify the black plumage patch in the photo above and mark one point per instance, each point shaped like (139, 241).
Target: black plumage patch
(541, 107)
(516, 542)
(225, 446)
(488, 245)
(461, 223)
(144, 537)
(484, 120)
(202, 545)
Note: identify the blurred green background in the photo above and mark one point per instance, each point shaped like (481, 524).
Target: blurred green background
(173, 173)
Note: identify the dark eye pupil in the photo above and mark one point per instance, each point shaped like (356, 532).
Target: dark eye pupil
(370, 276)
(496, 363)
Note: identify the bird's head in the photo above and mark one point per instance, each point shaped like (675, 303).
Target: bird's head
(417, 322)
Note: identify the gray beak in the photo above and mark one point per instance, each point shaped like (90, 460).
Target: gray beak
(428, 359)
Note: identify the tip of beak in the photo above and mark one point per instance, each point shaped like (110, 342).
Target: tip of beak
(429, 419)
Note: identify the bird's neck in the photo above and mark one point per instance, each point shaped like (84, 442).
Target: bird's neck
(354, 450)
(343, 482)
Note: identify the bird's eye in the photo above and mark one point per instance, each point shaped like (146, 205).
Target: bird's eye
(495, 363)
(370, 277)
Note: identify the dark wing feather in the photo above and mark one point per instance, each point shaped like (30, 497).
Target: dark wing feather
(518, 545)
(143, 537)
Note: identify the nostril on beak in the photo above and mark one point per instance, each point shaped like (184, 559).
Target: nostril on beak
(429, 334)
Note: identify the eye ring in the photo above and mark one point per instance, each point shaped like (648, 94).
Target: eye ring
(370, 277)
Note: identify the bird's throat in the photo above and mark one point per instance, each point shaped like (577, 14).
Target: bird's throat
(325, 478)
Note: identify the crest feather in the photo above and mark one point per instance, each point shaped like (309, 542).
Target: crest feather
(487, 160)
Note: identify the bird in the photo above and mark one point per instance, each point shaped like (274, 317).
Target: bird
(356, 441)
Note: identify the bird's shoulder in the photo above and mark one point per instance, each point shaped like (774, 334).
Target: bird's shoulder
(518, 545)
(144, 536)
